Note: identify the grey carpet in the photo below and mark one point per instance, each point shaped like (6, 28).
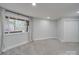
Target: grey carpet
(45, 47)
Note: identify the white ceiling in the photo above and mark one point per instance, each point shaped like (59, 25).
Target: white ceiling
(43, 10)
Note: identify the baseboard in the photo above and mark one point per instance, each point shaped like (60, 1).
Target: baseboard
(46, 38)
(22, 43)
(68, 41)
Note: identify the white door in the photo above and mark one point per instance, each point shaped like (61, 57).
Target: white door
(71, 31)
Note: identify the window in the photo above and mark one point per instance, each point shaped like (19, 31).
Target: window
(14, 26)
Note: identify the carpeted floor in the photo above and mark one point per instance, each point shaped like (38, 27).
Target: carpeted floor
(45, 47)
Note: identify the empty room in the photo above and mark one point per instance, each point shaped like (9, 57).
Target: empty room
(39, 28)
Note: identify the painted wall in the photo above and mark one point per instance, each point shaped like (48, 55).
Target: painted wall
(60, 29)
(43, 29)
(14, 39)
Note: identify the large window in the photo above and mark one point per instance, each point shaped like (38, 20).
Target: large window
(14, 26)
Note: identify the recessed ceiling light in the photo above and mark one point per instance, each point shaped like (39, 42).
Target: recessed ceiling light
(77, 12)
(48, 17)
(34, 4)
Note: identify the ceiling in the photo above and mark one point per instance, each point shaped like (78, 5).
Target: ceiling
(43, 10)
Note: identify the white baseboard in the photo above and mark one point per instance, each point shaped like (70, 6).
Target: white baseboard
(46, 38)
(64, 40)
(69, 41)
(19, 44)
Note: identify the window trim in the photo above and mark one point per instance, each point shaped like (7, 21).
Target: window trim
(27, 24)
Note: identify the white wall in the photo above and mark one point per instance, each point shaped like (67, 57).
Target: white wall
(44, 29)
(15, 39)
(60, 29)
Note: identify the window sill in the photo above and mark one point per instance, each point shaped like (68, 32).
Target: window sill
(9, 34)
